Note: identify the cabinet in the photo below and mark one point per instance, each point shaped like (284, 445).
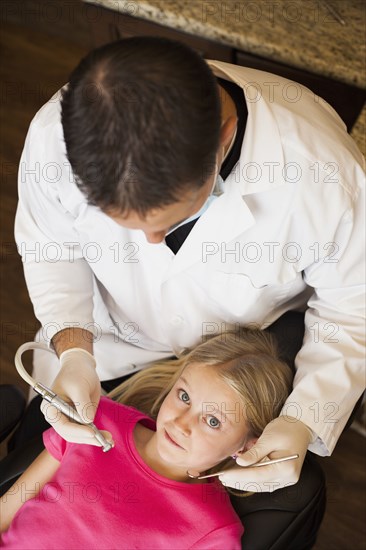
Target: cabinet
(108, 25)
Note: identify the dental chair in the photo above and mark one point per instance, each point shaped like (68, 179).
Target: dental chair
(287, 519)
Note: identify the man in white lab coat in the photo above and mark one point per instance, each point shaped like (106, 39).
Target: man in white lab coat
(176, 209)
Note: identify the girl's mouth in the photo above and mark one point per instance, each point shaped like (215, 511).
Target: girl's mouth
(171, 440)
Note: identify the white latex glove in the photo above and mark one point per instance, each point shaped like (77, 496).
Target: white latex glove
(283, 436)
(77, 383)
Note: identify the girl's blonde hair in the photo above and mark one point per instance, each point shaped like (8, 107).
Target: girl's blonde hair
(247, 359)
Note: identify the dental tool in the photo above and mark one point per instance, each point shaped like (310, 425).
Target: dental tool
(196, 475)
(51, 396)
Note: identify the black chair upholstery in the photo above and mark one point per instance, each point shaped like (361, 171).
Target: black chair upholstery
(287, 519)
(12, 406)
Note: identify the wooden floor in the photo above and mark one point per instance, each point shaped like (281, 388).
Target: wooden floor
(34, 64)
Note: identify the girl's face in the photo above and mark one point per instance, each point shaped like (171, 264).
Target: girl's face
(201, 421)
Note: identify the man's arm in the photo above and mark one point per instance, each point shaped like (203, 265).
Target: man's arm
(330, 367)
(59, 279)
(72, 337)
(330, 373)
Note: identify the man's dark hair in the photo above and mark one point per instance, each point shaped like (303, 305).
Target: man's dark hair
(141, 120)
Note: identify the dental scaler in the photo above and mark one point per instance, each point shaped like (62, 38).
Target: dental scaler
(51, 396)
(196, 475)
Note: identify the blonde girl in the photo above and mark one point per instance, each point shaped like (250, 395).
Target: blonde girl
(210, 404)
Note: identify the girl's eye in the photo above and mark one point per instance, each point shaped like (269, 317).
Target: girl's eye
(183, 396)
(213, 422)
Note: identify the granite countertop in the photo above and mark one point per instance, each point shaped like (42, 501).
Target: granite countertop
(299, 33)
(302, 34)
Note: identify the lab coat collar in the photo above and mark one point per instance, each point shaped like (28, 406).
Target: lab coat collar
(227, 217)
(262, 144)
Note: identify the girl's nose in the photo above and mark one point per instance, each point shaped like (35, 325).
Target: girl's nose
(183, 423)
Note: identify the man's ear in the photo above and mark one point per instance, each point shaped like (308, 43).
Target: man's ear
(227, 131)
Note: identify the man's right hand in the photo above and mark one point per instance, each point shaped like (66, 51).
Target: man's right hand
(77, 383)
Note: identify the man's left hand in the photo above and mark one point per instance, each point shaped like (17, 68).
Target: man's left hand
(283, 436)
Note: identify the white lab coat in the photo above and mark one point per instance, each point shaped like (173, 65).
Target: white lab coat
(286, 233)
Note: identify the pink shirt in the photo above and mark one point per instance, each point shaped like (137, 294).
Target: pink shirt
(112, 500)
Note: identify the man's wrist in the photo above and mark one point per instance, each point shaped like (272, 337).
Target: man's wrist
(71, 338)
(312, 435)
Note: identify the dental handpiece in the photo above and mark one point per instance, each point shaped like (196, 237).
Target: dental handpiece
(51, 397)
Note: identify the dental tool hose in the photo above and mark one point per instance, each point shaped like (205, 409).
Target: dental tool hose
(51, 396)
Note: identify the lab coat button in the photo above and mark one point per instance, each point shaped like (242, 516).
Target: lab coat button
(176, 320)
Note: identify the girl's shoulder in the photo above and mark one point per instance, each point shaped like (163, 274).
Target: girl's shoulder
(111, 411)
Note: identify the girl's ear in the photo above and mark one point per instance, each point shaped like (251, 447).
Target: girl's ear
(248, 445)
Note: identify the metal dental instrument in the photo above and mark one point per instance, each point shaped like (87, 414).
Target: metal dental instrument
(196, 475)
(51, 396)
